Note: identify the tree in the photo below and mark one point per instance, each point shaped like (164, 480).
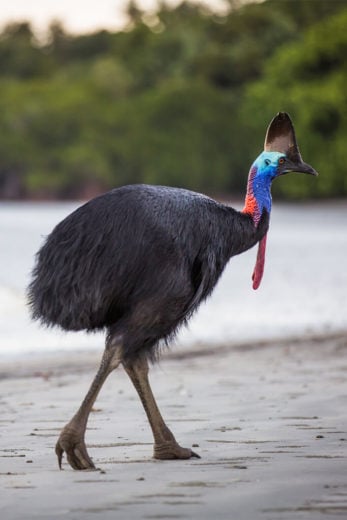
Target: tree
(308, 79)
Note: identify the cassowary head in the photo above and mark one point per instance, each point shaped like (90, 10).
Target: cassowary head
(281, 155)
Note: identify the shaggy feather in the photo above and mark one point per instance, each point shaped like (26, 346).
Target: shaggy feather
(137, 261)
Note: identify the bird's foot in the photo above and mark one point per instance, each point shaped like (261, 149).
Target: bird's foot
(71, 441)
(171, 450)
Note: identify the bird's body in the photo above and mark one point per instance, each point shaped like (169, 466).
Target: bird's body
(138, 261)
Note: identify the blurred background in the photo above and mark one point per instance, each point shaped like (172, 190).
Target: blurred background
(179, 95)
(94, 96)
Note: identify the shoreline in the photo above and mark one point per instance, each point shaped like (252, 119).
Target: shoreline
(81, 360)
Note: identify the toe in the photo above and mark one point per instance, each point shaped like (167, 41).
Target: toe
(195, 455)
(167, 451)
(83, 458)
(75, 449)
(59, 452)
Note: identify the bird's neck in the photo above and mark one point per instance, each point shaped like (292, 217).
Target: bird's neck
(258, 196)
(257, 205)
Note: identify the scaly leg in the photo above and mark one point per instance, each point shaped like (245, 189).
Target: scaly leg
(71, 440)
(165, 445)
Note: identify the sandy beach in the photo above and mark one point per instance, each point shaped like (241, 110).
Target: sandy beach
(269, 421)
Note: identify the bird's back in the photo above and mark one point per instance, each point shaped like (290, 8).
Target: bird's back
(137, 260)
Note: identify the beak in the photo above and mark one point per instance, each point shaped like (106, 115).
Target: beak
(290, 166)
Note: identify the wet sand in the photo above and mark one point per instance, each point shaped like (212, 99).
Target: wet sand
(269, 421)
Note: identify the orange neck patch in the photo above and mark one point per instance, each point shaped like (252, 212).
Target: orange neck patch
(251, 205)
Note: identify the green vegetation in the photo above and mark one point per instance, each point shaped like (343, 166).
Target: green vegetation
(180, 97)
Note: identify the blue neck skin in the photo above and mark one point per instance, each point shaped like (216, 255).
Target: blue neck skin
(262, 192)
(261, 175)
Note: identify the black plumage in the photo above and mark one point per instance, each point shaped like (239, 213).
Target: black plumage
(137, 261)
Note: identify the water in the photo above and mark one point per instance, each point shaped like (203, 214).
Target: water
(303, 290)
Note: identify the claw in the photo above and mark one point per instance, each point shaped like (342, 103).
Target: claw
(195, 455)
(59, 452)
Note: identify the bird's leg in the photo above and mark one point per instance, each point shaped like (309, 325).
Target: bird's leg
(71, 440)
(165, 445)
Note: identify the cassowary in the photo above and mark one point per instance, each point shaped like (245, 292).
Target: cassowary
(137, 261)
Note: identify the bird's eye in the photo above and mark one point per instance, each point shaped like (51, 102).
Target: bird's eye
(267, 162)
(281, 160)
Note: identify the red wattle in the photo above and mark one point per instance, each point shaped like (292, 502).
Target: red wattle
(259, 265)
